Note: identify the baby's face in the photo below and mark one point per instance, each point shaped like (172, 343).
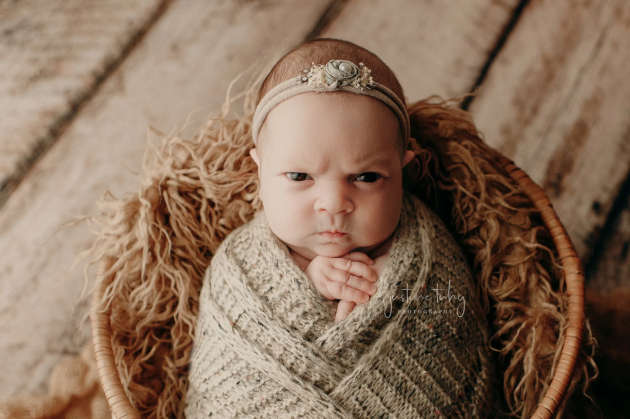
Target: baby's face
(331, 162)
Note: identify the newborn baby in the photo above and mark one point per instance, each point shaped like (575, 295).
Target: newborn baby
(330, 170)
(331, 142)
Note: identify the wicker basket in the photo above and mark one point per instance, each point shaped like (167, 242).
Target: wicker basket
(547, 406)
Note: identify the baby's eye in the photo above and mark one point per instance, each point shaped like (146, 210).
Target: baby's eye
(296, 176)
(369, 177)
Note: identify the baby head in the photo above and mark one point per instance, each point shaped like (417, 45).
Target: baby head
(330, 160)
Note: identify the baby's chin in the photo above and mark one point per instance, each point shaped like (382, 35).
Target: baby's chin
(336, 250)
(331, 250)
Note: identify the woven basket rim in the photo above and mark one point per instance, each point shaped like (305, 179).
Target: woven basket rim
(121, 406)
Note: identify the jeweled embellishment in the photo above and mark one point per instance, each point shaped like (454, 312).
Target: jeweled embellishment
(341, 71)
(336, 74)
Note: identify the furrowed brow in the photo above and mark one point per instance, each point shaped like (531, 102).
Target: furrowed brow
(373, 161)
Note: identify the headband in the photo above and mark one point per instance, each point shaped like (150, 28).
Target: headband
(335, 75)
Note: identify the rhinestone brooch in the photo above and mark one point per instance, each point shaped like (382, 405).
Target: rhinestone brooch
(336, 74)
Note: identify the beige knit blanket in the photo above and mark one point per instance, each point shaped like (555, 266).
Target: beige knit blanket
(266, 343)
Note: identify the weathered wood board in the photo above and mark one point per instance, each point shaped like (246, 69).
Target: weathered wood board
(183, 64)
(611, 270)
(52, 55)
(557, 101)
(432, 47)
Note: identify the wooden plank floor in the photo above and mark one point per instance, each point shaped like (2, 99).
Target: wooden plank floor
(182, 65)
(556, 101)
(54, 54)
(552, 96)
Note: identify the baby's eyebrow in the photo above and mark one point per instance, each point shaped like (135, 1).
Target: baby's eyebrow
(368, 161)
(373, 160)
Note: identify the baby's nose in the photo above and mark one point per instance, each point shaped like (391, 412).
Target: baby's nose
(334, 198)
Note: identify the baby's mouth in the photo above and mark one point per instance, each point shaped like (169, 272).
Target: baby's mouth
(332, 234)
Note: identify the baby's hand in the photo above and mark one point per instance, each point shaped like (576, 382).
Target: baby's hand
(344, 308)
(348, 278)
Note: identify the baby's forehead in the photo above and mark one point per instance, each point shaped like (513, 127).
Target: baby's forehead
(338, 120)
(321, 156)
(342, 146)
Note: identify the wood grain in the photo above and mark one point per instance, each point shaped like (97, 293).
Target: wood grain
(556, 101)
(183, 65)
(54, 53)
(611, 271)
(432, 47)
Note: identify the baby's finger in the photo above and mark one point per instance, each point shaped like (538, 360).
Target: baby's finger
(344, 308)
(352, 294)
(356, 268)
(346, 279)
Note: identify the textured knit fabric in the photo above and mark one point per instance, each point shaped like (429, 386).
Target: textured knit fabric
(266, 343)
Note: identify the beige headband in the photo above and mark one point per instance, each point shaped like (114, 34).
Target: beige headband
(335, 75)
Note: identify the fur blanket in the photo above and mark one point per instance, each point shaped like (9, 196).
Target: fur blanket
(266, 342)
(153, 247)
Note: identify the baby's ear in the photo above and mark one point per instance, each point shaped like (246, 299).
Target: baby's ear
(409, 155)
(254, 155)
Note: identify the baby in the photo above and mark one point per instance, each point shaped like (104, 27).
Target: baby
(330, 169)
(331, 133)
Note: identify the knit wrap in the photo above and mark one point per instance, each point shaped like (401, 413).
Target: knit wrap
(266, 344)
